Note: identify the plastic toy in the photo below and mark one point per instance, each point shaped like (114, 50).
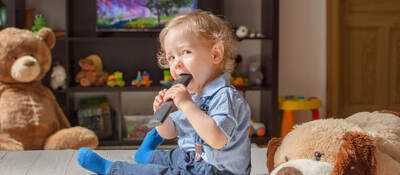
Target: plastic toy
(236, 78)
(291, 103)
(142, 79)
(167, 79)
(39, 22)
(257, 128)
(116, 79)
(255, 34)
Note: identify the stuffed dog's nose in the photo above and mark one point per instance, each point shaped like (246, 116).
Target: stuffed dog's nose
(289, 171)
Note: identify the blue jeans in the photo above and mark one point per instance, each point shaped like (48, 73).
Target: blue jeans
(167, 162)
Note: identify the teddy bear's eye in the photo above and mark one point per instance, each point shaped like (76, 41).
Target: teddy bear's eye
(287, 158)
(318, 155)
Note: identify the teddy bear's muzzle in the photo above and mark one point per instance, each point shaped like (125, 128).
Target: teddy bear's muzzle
(289, 171)
(25, 69)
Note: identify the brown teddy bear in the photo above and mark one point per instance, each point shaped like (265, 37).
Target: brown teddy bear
(362, 144)
(90, 74)
(30, 116)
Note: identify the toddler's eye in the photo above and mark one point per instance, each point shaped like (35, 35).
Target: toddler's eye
(170, 58)
(186, 52)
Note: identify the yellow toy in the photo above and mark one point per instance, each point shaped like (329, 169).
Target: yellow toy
(291, 103)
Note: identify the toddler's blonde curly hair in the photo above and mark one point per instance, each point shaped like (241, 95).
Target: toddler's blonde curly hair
(209, 26)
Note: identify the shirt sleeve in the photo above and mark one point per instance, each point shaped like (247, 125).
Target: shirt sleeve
(222, 112)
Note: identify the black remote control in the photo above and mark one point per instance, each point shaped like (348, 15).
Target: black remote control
(167, 107)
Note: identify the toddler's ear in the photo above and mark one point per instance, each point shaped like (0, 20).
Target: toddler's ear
(217, 52)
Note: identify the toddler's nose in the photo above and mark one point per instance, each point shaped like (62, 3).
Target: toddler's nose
(177, 63)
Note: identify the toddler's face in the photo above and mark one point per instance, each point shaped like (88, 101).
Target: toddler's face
(187, 52)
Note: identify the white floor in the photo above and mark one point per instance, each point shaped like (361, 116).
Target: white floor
(64, 162)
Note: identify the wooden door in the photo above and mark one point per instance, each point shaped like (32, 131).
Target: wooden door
(363, 56)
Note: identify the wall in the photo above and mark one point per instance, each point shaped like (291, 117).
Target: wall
(302, 51)
(48, 8)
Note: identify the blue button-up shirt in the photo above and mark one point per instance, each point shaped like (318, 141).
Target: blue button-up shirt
(231, 113)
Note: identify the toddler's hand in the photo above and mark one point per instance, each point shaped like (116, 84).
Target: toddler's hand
(159, 99)
(179, 94)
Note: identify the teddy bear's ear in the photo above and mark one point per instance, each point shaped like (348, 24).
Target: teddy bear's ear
(356, 155)
(273, 145)
(48, 36)
(390, 112)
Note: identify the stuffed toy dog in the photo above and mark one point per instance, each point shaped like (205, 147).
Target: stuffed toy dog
(30, 117)
(362, 144)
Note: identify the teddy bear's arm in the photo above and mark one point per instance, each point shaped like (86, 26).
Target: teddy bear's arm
(59, 112)
(79, 77)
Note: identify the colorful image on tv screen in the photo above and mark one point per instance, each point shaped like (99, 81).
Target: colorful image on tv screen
(140, 14)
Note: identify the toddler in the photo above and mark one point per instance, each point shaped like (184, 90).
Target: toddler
(212, 123)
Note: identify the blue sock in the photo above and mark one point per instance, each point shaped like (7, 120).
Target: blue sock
(149, 144)
(92, 161)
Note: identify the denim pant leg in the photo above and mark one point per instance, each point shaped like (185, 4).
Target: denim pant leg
(159, 163)
(184, 162)
(172, 162)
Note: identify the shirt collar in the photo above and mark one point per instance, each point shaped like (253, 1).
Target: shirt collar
(214, 85)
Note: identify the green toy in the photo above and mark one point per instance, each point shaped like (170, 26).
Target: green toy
(116, 79)
(3, 15)
(39, 22)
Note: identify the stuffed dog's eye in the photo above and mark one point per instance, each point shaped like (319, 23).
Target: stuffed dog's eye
(287, 159)
(318, 155)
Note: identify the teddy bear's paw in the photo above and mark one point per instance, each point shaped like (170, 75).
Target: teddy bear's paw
(9, 144)
(85, 82)
(72, 138)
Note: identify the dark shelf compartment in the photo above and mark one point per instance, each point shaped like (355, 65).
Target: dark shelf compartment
(260, 141)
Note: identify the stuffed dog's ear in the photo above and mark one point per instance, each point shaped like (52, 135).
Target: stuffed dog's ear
(356, 155)
(390, 112)
(48, 36)
(273, 145)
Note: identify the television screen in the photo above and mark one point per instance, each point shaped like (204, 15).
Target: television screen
(139, 15)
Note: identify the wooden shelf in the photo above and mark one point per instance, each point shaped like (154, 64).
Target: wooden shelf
(130, 52)
(255, 38)
(112, 89)
(151, 88)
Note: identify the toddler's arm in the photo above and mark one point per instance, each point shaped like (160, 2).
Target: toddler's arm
(202, 123)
